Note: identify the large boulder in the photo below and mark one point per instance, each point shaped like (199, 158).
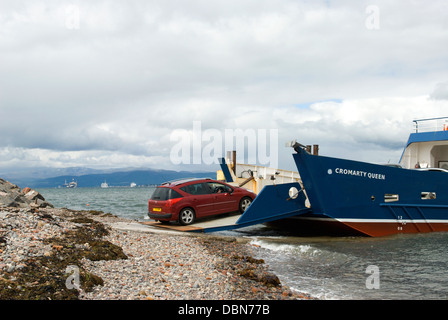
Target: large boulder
(11, 196)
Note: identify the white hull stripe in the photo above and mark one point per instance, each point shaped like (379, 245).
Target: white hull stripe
(376, 220)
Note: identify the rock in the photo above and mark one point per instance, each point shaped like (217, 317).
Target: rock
(10, 267)
(40, 224)
(10, 200)
(33, 195)
(8, 187)
(11, 196)
(59, 248)
(26, 190)
(270, 280)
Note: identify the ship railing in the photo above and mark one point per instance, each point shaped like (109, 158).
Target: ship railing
(431, 124)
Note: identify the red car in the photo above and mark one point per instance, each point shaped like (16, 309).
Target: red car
(187, 200)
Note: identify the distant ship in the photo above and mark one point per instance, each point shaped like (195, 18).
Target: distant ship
(72, 184)
(133, 184)
(104, 185)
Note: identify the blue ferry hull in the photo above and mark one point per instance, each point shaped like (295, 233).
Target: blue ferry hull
(345, 197)
(370, 199)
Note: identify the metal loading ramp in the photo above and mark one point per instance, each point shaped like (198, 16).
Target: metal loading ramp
(227, 223)
(272, 203)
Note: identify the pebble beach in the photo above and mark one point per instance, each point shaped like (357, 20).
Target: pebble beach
(61, 254)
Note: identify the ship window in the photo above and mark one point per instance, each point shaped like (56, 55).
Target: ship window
(388, 197)
(428, 195)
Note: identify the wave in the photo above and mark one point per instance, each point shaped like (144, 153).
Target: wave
(293, 249)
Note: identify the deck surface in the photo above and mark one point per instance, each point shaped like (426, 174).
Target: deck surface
(199, 226)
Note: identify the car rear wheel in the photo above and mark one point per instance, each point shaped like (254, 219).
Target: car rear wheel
(245, 203)
(186, 216)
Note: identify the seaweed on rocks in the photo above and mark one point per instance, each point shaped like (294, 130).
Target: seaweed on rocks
(253, 273)
(99, 213)
(85, 241)
(250, 271)
(45, 277)
(248, 259)
(104, 250)
(82, 220)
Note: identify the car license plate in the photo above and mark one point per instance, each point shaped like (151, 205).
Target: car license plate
(157, 209)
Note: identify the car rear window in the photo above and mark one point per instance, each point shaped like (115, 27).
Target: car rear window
(165, 194)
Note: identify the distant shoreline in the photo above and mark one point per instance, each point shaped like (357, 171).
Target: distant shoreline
(120, 177)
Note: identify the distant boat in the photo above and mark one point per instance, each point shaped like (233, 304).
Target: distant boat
(133, 184)
(72, 184)
(104, 185)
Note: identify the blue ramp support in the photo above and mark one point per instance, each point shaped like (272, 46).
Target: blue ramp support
(225, 170)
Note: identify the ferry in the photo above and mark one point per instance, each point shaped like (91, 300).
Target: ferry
(346, 197)
(340, 197)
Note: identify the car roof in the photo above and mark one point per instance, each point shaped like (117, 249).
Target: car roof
(183, 180)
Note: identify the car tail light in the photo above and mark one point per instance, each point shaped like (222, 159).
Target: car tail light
(171, 202)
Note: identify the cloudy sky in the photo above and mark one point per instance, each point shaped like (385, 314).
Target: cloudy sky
(105, 84)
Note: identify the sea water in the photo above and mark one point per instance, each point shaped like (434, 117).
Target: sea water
(395, 267)
(412, 266)
(127, 202)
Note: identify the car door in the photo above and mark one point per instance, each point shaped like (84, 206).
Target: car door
(225, 201)
(201, 199)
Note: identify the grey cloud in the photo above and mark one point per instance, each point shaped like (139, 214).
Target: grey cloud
(440, 91)
(143, 69)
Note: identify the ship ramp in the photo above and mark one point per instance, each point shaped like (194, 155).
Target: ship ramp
(274, 202)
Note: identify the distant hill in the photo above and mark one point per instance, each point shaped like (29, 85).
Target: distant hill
(121, 178)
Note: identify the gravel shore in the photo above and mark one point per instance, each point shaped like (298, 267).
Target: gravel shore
(56, 253)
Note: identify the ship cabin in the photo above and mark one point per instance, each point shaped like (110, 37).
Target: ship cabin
(427, 147)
